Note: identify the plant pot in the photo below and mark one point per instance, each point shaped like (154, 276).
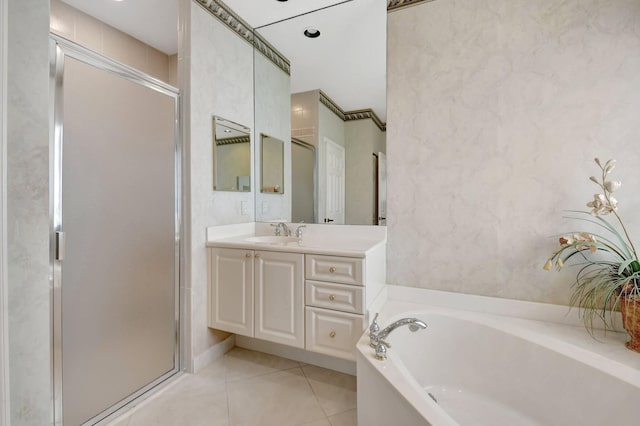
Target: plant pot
(630, 308)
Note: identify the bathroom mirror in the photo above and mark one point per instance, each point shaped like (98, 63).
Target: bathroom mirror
(272, 165)
(231, 156)
(336, 114)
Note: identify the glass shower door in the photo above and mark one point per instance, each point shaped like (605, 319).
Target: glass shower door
(117, 209)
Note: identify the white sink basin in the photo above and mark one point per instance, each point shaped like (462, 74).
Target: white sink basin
(271, 239)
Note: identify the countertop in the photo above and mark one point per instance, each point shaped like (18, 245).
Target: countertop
(334, 246)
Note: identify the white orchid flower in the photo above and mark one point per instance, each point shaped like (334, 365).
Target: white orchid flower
(612, 185)
(597, 204)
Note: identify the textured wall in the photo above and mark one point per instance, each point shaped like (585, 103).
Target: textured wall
(496, 109)
(273, 118)
(221, 75)
(28, 212)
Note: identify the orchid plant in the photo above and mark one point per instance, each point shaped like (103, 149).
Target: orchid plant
(609, 270)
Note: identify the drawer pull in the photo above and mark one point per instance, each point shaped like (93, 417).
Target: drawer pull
(332, 334)
(332, 269)
(248, 255)
(257, 255)
(332, 297)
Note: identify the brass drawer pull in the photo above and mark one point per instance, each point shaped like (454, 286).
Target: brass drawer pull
(332, 334)
(248, 255)
(332, 297)
(332, 269)
(257, 255)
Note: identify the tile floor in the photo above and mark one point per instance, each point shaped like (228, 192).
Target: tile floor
(247, 388)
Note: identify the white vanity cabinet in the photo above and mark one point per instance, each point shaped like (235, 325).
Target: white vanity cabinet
(258, 294)
(279, 297)
(301, 298)
(231, 290)
(335, 304)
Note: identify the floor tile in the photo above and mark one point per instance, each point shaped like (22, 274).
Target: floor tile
(193, 401)
(214, 372)
(321, 422)
(242, 363)
(336, 392)
(348, 418)
(276, 399)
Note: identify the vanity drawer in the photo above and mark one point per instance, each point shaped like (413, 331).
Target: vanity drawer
(347, 298)
(346, 270)
(333, 333)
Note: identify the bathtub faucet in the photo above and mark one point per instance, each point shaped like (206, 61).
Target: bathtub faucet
(377, 336)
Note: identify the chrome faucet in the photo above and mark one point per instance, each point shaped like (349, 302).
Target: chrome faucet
(377, 336)
(299, 230)
(282, 227)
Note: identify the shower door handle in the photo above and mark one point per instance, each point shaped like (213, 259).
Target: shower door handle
(59, 245)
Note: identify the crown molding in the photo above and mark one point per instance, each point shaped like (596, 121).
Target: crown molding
(329, 103)
(393, 5)
(224, 14)
(233, 140)
(364, 114)
(361, 114)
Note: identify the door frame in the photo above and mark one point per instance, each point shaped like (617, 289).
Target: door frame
(60, 48)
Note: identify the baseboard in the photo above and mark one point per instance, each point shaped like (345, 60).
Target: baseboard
(296, 354)
(213, 353)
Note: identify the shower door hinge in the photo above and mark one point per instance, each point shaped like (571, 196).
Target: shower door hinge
(59, 245)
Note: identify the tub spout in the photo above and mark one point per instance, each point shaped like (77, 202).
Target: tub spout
(377, 336)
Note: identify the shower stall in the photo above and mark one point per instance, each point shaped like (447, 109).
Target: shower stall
(115, 233)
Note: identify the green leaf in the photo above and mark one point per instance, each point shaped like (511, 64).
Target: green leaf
(625, 264)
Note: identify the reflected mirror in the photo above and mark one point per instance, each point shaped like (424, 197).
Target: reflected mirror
(336, 114)
(272, 165)
(231, 156)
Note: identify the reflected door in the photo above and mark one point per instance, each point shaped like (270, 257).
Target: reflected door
(116, 206)
(334, 183)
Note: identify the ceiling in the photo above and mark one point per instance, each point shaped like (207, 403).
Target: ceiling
(262, 12)
(347, 62)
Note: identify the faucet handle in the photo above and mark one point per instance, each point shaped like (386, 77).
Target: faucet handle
(277, 230)
(299, 230)
(374, 327)
(381, 351)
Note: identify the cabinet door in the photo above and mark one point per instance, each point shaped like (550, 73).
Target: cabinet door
(279, 286)
(231, 290)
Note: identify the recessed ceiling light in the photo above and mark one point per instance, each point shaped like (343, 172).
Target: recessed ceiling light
(282, 0)
(312, 32)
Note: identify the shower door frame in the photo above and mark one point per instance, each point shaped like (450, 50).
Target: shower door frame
(4, 337)
(59, 49)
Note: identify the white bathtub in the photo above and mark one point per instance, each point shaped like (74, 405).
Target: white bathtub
(470, 368)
